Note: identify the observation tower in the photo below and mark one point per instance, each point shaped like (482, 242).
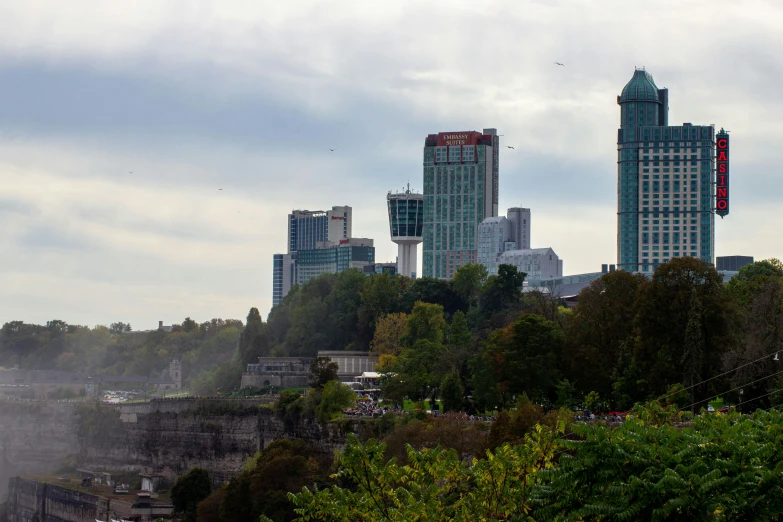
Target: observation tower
(406, 221)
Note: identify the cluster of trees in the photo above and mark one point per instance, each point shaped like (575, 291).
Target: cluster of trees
(117, 349)
(628, 339)
(649, 468)
(476, 342)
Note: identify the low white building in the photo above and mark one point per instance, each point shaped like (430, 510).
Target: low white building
(537, 263)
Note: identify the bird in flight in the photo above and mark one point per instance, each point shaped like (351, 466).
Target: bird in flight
(220, 189)
(331, 150)
(509, 146)
(560, 64)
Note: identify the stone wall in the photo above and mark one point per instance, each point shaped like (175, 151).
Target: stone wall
(31, 500)
(276, 379)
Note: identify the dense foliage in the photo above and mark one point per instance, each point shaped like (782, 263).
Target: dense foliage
(651, 467)
(190, 489)
(114, 351)
(477, 342)
(262, 487)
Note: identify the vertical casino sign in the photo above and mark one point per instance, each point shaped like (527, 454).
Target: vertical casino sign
(722, 173)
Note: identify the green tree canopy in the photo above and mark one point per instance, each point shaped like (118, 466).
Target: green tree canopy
(322, 371)
(601, 322)
(425, 322)
(190, 489)
(662, 318)
(469, 281)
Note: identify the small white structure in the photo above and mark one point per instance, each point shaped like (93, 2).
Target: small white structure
(537, 263)
(368, 378)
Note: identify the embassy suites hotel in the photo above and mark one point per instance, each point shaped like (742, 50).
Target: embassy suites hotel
(460, 191)
(667, 178)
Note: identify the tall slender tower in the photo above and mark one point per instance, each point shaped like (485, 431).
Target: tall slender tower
(665, 181)
(406, 221)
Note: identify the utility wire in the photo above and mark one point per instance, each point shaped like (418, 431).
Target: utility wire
(734, 389)
(721, 375)
(765, 395)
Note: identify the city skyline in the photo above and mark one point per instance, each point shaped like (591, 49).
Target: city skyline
(124, 126)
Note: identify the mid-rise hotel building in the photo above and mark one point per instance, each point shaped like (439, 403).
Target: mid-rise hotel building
(665, 180)
(306, 229)
(460, 191)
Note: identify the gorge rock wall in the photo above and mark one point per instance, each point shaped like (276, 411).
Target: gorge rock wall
(167, 437)
(34, 437)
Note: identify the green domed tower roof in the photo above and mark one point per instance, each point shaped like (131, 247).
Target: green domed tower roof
(641, 88)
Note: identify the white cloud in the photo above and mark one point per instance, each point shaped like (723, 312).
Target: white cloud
(247, 96)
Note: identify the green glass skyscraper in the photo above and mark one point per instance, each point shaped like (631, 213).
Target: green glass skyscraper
(665, 180)
(460, 191)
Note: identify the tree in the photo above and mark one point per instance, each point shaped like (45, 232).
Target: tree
(758, 290)
(519, 358)
(209, 509)
(592, 401)
(261, 489)
(323, 371)
(452, 393)
(600, 323)
(189, 325)
(502, 291)
(662, 317)
(458, 350)
(380, 297)
(435, 485)
(425, 322)
(434, 291)
(389, 332)
(693, 355)
(752, 276)
(565, 394)
(335, 398)
(469, 281)
(190, 489)
(119, 328)
(416, 373)
(253, 342)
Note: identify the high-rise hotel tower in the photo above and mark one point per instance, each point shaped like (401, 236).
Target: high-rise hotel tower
(460, 191)
(665, 180)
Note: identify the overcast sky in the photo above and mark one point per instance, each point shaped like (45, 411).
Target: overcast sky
(120, 122)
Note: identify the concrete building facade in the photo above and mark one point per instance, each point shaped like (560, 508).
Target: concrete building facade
(461, 180)
(331, 257)
(294, 372)
(501, 234)
(665, 181)
(537, 263)
(520, 226)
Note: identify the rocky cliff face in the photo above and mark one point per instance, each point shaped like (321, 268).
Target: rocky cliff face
(166, 437)
(34, 437)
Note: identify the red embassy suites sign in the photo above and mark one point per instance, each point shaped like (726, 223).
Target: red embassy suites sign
(722, 173)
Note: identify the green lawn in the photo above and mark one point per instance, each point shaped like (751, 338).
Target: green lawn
(411, 405)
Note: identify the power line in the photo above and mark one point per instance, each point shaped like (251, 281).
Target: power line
(721, 375)
(733, 389)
